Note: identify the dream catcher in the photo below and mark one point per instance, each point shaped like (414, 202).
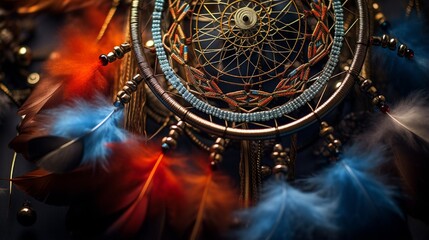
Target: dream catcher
(254, 85)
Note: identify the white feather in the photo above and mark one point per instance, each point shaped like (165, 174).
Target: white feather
(408, 120)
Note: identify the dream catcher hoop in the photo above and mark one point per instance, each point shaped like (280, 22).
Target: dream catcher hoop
(250, 70)
(247, 76)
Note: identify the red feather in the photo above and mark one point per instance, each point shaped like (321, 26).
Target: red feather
(143, 177)
(137, 176)
(141, 183)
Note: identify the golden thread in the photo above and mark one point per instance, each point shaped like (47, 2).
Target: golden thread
(109, 17)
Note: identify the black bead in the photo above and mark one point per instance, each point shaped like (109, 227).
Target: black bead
(376, 41)
(103, 59)
(26, 216)
(402, 50)
(409, 54)
(385, 40)
(137, 78)
(392, 44)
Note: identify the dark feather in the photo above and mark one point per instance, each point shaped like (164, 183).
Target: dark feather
(56, 154)
(413, 167)
(58, 189)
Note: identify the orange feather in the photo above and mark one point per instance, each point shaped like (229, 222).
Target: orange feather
(73, 72)
(211, 199)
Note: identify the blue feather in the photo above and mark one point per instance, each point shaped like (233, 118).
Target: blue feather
(78, 121)
(363, 200)
(287, 213)
(406, 74)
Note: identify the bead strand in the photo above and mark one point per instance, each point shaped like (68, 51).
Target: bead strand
(377, 99)
(333, 144)
(216, 152)
(170, 141)
(124, 96)
(281, 160)
(117, 53)
(385, 41)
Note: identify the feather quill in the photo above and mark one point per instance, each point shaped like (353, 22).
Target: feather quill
(56, 154)
(94, 123)
(142, 179)
(363, 200)
(407, 120)
(287, 213)
(210, 199)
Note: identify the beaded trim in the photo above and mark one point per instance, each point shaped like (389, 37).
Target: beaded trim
(274, 113)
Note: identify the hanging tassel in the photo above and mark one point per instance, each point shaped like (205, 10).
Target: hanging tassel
(210, 200)
(364, 202)
(287, 213)
(80, 134)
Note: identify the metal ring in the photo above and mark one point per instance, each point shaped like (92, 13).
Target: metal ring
(250, 134)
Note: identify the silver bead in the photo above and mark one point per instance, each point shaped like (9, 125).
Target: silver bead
(402, 50)
(118, 52)
(280, 168)
(111, 57)
(385, 40)
(132, 85)
(392, 44)
(137, 79)
(365, 85)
